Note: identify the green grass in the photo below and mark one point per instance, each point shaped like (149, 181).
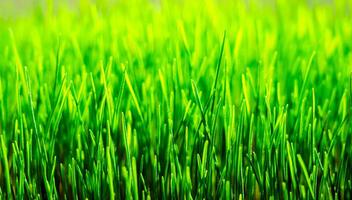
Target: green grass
(177, 99)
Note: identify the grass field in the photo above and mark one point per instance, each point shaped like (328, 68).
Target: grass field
(177, 99)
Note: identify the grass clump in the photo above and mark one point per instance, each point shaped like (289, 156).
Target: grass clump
(176, 100)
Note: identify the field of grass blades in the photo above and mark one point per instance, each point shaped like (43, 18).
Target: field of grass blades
(176, 99)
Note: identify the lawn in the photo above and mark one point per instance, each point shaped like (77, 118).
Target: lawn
(175, 99)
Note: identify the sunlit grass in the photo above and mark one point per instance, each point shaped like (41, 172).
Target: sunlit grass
(177, 99)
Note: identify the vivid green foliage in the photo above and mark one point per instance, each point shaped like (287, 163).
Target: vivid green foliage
(143, 99)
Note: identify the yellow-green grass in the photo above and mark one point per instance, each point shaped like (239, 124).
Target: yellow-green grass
(177, 99)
